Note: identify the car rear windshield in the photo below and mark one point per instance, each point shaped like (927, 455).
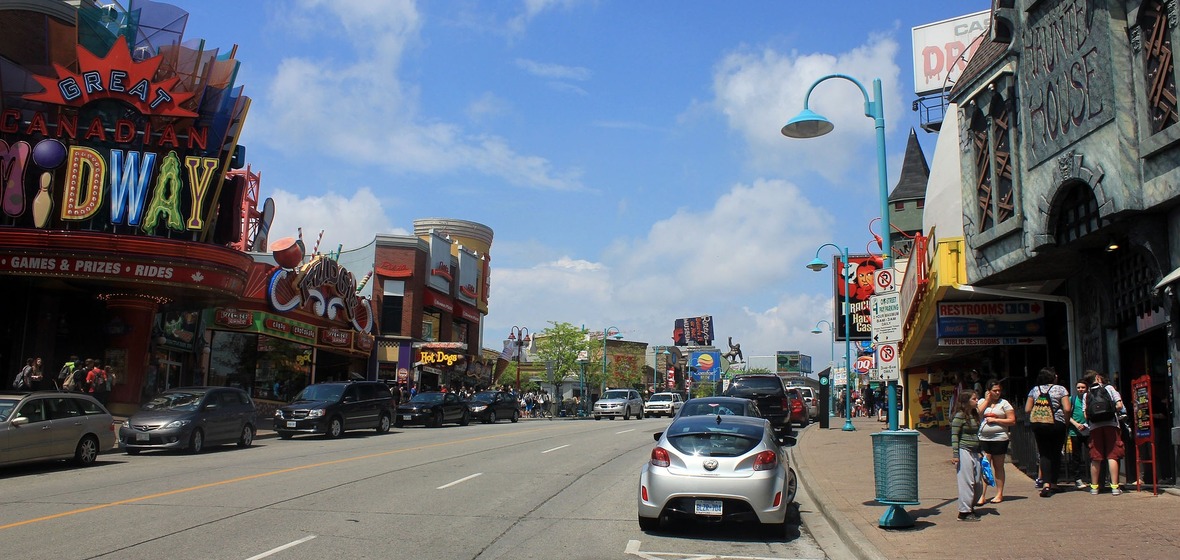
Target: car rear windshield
(321, 393)
(621, 395)
(658, 397)
(716, 440)
(180, 400)
(765, 385)
(718, 409)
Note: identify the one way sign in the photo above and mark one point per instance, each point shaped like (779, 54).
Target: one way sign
(886, 317)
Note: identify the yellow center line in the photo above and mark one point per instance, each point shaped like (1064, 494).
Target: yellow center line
(97, 507)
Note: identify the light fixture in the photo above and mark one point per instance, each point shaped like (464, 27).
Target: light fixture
(1112, 245)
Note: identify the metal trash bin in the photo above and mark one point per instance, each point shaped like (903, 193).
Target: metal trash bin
(895, 467)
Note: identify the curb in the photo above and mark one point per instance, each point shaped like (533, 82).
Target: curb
(852, 538)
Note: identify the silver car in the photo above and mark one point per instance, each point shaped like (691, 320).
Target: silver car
(47, 425)
(717, 468)
(191, 418)
(619, 402)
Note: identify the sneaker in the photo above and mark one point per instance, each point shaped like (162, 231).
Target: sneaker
(968, 517)
(1040, 483)
(1115, 491)
(1093, 490)
(1045, 492)
(1081, 485)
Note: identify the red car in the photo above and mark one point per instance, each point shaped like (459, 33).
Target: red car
(798, 407)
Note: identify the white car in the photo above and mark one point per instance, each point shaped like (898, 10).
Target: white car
(663, 404)
(718, 468)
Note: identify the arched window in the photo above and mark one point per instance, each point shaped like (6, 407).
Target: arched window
(1076, 214)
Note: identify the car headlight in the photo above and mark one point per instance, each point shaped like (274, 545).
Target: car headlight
(177, 424)
(315, 413)
(127, 423)
(478, 408)
(278, 413)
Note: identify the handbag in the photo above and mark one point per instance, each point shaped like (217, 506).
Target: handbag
(985, 470)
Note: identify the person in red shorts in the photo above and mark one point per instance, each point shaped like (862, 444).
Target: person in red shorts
(1106, 442)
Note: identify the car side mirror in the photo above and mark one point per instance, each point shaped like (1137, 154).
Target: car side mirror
(656, 436)
(209, 406)
(349, 398)
(787, 441)
(20, 420)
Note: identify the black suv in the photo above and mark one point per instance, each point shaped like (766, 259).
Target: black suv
(333, 408)
(766, 390)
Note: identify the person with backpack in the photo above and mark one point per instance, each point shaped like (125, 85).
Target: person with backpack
(1103, 405)
(66, 370)
(98, 383)
(1048, 406)
(24, 378)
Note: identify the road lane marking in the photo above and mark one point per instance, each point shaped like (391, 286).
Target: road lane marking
(625, 431)
(279, 549)
(461, 480)
(257, 476)
(555, 448)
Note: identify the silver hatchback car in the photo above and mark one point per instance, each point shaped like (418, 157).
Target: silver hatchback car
(718, 468)
(48, 425)
(624, 403)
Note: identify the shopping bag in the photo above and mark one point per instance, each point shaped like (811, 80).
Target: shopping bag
(985, 470)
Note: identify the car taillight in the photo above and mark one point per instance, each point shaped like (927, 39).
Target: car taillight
(643, 490)
(766, 461)
(660, 457)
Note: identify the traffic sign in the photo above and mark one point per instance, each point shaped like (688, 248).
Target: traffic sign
(884, 280)
(885, 318)
(888, 363)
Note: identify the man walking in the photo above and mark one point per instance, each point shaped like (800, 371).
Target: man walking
(1104, 405)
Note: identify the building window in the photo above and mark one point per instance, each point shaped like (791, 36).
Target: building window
(991, 138)
(1158, 74)
(391, 314)
(1134, 277)
(899, 206)
(921, 204)
(1077, 214)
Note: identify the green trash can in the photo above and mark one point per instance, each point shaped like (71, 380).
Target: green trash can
(895, 467)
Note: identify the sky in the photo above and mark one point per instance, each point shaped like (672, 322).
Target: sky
(627, 154)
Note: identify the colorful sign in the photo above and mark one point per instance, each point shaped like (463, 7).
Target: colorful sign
(1141, 401)
(262, 322)
(943, 48)
(1014, 318)
(439, 275)
(693, 331)
(792, 362)
(707, 365)
(860, 287)
(154, 271)
(324, 288)
(470, 268)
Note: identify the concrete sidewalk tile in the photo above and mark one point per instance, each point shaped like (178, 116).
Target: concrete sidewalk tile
(837, 469)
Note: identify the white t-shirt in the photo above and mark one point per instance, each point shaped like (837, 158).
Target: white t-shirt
(995, 432)
(1114, 395)
(1057, 395)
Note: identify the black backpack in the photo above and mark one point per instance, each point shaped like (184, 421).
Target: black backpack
(1099, 404)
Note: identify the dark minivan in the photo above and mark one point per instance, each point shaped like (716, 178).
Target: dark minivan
(334, 408)
(767, 390)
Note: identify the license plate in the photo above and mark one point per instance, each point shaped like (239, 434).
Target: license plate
(708, 507)
(142, 437)
(292, 424)
(407, 417)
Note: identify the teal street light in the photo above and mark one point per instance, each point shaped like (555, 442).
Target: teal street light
(655, 365)
(606, 333)
(583, 359)
(831, 362)
(808, 124)
(817, 265)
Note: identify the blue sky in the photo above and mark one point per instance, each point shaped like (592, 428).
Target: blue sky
(626, 153)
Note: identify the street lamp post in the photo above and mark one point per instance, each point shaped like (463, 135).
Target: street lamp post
(606, 334)
(831, 362)
(519, 336)
(808, 124)
(655, 365)
(817, 265)
(583, 359)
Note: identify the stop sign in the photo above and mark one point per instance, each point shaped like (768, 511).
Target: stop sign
(864, 363)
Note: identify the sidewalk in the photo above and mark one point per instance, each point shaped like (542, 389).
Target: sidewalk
(836, 467)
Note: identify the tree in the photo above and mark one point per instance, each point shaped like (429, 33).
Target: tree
(559, 346)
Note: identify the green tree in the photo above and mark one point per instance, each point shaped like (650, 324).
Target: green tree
(559, 346)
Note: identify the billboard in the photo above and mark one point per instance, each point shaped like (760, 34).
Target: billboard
(693, 331)
(792, 362)
(440, 263)
(470, 271)
(705, 366)
(859, 286)
(943, 48)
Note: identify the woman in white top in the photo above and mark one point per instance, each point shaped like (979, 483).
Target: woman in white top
(1050, 436)
(997, 417)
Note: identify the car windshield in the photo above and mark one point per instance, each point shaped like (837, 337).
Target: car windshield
(6, 408)
(321, 393)
(485, 396)
(176, 400)
(427, 398)
(715, 440)
(660, 398)
(621, 395)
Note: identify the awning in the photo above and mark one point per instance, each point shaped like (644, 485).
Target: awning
(1171, 277)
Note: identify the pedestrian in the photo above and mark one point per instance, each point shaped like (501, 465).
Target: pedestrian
(965, 454)
(1048, 406)
(98, 384)
(1103, 406)
(996, 417)
(24, 378)
(1079, 439)
(66, 369)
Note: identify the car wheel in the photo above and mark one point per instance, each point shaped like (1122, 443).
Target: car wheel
(247, 437)
(285, 435)
(335, 428)
(792, 487)
(627, 413)
(87, 451)
(196, 442)
(465, 420)
(437, 420)
(515, 416)
(649, 523)
(596, 418)
(639, 415)
(131, 451)
(383, 424)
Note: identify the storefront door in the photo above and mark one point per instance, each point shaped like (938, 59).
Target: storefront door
(1149, 354)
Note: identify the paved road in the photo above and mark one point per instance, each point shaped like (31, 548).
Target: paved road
(535, 489)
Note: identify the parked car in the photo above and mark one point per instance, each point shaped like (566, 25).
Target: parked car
(336, 407)
(619, 402)
(723, 406)
(717, 468)
(490, 406)
(50, 425)
(663, 404)
(191, 418)
(797, 406)
(433, 409)
(767, 390)
(809, 399)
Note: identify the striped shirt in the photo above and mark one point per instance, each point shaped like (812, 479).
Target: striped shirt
(964, 433)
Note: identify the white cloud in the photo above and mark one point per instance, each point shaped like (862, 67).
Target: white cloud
(355, 108)
(554, 71)
(351, 222)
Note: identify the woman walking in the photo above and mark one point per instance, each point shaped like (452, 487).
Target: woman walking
(996, 416)
(1050, 434)
(965, 454)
